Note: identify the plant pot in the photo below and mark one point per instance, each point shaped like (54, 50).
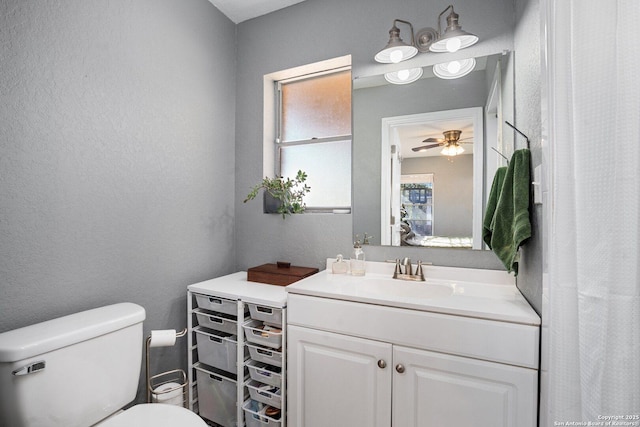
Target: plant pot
(270, 204)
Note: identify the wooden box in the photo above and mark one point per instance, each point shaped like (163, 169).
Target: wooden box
(281, 274)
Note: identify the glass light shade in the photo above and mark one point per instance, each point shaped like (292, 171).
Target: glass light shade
(453, 40)
(403, 77)
(399, 51)
(454, 69)
(452, 150)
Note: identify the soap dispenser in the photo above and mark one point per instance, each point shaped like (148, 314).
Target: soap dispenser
(358, 264)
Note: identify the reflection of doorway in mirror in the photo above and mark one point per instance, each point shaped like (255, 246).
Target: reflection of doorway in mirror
(461, 187)
(416, 207)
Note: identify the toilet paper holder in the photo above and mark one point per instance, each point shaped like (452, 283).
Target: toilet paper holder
(172, 386)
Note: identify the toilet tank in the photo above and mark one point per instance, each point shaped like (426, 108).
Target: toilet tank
(73, 370)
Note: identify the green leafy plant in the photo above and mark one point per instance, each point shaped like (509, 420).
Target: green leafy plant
(289, 192)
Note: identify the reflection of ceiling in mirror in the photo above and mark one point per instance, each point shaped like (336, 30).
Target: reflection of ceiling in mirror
(411, 136)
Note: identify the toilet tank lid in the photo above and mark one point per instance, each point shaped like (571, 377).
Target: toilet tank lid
(41, 338)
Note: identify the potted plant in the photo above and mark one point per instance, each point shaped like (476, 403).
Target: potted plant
(286, 194)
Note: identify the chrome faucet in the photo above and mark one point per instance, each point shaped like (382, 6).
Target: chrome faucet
(406, 263)
(408, 271)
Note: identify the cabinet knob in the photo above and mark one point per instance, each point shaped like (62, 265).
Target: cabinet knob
(382, 364)
(400, 368)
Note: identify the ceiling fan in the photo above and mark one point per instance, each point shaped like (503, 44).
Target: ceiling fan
(451, 143)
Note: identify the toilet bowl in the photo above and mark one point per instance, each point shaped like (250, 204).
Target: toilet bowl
(80, 370)
(154, 415)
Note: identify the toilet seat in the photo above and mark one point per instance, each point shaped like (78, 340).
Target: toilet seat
(155, 415)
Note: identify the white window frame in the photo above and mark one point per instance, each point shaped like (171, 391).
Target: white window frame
(271, 95)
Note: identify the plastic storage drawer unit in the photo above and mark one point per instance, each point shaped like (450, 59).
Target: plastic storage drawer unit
(217, 349)
(220, 305)
(265, 393)
(255, 419)
(266, 374)
(266, 355)
(259, 333)
(217, 321)
(216, 397)
(269, 315)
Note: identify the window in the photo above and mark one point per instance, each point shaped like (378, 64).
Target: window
(312, 133)
(416, 192)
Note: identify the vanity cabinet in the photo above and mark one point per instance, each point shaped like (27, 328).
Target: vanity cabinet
(354, 364)
(433, 389)
(335, 380)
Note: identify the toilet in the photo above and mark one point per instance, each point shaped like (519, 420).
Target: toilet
(80, 370)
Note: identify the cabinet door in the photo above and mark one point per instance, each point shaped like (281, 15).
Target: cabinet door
(441, 390)
(335, 380)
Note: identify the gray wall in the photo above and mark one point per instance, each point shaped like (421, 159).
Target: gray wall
(117, 157)
(452, 192)
(308, 32)
(528, 115)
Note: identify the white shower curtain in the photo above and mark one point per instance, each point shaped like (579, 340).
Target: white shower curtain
(594, 212)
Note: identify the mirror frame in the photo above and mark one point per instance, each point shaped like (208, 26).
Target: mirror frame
(389, 124)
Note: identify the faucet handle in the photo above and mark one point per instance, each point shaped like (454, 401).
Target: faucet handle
(397, 270)
(419, 271)
(407, 266)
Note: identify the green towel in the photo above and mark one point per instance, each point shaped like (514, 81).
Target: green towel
(511, 226)
(494, 195)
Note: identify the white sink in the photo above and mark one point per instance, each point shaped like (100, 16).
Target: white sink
(406, 289)
(485, 294)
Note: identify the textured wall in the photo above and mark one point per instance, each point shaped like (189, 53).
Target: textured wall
(312, 31)
(528, 119)
(116, 157)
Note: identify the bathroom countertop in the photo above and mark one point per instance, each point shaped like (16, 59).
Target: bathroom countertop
(477, 293)
(236, 285)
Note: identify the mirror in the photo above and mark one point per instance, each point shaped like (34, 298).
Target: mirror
(427, 195)
(440, 200)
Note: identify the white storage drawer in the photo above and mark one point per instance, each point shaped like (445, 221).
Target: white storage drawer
(216, 397)
(220, 305)
(260, 333)
(266, 374)
(253, 418)
(265, 393)
(266, 355)
(217, 321)
(217, 349)
(269, 315)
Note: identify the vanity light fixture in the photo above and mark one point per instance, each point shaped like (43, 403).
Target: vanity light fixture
(454, 37)
(454, 69)
(397, 50)
(403, 77)
(426, 40)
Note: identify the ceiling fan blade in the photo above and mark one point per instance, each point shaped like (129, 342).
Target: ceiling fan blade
(425, 147)
(465, 142)
(433, 140)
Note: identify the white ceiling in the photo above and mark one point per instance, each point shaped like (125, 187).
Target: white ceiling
(242, 10)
